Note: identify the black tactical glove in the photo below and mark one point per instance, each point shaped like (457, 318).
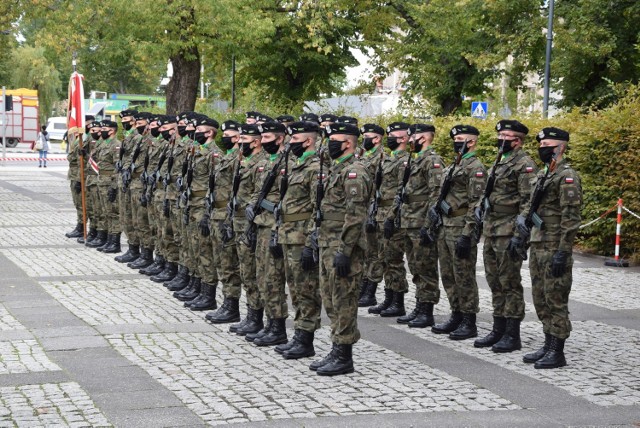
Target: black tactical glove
(251, 215)
(274, 247)
(517, 249)
(477, 215)
(166, 209)
(425, 238)
(306, 260)
(342, 264)
(226, 233)
(433, 214)
(203, 225)
(143, 199)
(559, 263)
(82, 152)
(463, 247)
(77, 186)
(111, 194)
(388, 228)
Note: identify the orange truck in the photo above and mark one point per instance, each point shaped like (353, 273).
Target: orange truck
(22, 122)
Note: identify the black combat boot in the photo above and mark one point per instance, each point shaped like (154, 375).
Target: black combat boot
(75, 233)
(207, 298)
(251, 336)
(532, 357)
(114, 246)
(154, 268)
(410, 316)
(277, 334)
(448, 326)
(254, 323)
(369, 296)
(496, 333)
(510, 340)
(93, 233)
(424, 318)
(235, 327)
(554, 358)
(132, 254)
(99, 240)
(342, 364)
(302, 347)
(169, 272)
(286, 346)
(396, 309)
(332, 355)
(104, 246)
(388, 298)
(228, 312)
(180, 281)
(467, 328)
(145, 259)
(363, 287)
(191, 291)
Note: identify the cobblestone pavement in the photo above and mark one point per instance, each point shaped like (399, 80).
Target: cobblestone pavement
(85, 341)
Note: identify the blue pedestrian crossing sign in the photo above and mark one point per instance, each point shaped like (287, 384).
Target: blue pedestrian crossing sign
(479, 109)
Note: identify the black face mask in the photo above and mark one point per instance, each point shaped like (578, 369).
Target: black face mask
(155, 131)
(270, 147)
(246, 149)
(104, 134)
(141, 129)
(367, 144)
(200, 137)
(191, 134)
(335, 149)
(227, 142)
(417, 147)
(457, 146)
(297, 149)
(546, 154)
(166, 134)
(182, 130)
(392, 143)
(95, 135)
(127, 126)
(507, 145)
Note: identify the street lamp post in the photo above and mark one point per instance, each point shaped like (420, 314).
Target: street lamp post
(547, 66)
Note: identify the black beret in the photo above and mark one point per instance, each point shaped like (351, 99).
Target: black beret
(194, 119)
(164, 119)
(397, 126)
(342, 128)
(552, 133)
(143, 115)
(272, 127)
(204, 120)
(95, 124)
(252, 114)
(109, 124)
(419, 128)
(328, 117)
(185, 115)
(285, 118)
(231, 124)
(463, 129)
(247, 129)
(89, 117)
(348, 119)
(264, 118)
(302, 127)
(155, 118)
(125, 113)
(512, 125)
(310, 117)
(372, 127)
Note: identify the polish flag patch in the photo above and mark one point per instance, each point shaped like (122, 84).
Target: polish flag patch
(323, 176)
(405, 163)
(215, 155)
(260, 169)
(352, 175)
(282, 171)
(436, 165)
(479, 174)
(568, 180)
(529, 169)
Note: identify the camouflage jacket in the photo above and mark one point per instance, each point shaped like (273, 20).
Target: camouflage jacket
(252, 168)
(159, 194)
(560, 207)
(91, 177)
(106, 155)
(224, 170)
(128, 144)
(344, 206)
(73, 157)
(371, 160)
(422, 188)
(299, 202)
(515, 178)
(179, 156)
(392, 169)
(266, 218)
(205, 155)
(467, 188)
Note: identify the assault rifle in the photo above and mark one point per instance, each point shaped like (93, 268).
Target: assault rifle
(371, 225)
(226, 227)
(144, 179)
(167, 177)
(274, 246)
(128, 173)
(210, 199)
(401, 197)
(319, 216)
(483, 210)
(185, 196)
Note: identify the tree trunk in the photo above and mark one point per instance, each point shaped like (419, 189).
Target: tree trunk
(182, 89)
(451, 104)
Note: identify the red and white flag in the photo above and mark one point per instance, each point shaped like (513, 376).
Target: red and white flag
(75, 108)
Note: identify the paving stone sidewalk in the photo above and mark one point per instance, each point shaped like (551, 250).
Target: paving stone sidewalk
(85, 341)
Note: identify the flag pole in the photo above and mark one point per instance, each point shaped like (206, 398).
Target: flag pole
(83, 193)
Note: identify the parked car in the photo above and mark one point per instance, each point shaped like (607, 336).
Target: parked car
(56, 127)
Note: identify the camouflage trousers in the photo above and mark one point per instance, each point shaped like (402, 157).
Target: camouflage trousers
(77, 200)
(373, 265)
(340, 296)
(165, 235)
(423, 265)
(180, 242)
(126, 215)
(270, 277)
(304, 288)
(110, 210)
(94, 209)
(228, 265)
(550, 294)
(391, 252)
(247, 259)
(140, 216)
(203, 258)
(458, 275)
(503, 277)
(152, 219)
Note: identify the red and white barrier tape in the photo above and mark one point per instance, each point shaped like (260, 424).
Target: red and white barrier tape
(23, 159)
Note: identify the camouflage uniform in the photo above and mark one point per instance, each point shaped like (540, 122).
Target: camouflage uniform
(514, 178)
(373, 266)
(95, 214)
(73, 175)
(459, 275)
(154, 199)
(344, 209)
(140, 215)
(560, 211)
(297, 223)
(165, 228)
(180, 239)
(106, 155)
(124, 197)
